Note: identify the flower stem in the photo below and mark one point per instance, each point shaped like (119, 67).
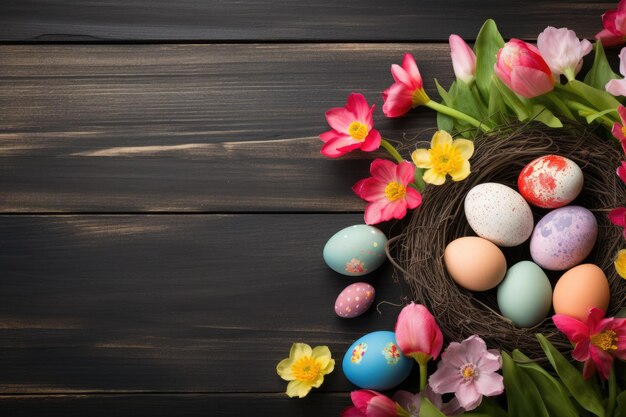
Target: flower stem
(423, 375)
(391, 150)
(610, 406)
(441, 108)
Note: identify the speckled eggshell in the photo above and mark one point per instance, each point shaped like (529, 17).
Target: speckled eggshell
(499, 214)
(579, 289)
(354, 300)
(550, 181)
(563, 238)
(356, 250)
(376, 362)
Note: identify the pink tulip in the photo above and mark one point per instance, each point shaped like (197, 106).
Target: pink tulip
(463, 59)
(417, 333)
(617, 216)
(520, 66)
(614, 22)
(563, 51)
(387, 191)
(369, 403)
(597, 341)
(617, 87)
(407, 91)
(352, 128)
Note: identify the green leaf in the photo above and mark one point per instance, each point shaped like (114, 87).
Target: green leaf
(445, 96)
(522, 395)
(497, 110)
(590, 118)
(553, 393)
(490, 408)
(427, 409)
(419, 180)
(465, 101)
(445, 122)
(540, 113)
(572, 378)
(512, 100)
(488, 43)
(600, 72)
(600, 99)
(621, 405)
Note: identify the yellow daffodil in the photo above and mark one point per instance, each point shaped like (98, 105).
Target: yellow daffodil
(445, 156)
(620, 263)
(305, 368)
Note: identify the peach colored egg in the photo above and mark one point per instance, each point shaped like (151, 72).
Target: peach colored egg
(579, 289)
(475, 263)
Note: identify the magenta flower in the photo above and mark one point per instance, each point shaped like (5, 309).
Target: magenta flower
(597, 341)
(411, 403)
(619, 130)
(352, 128)
(617, 216)
(417, 333)
(368, 403)
(468, 369)
(614, 22)
(463, 59)
(387, 191)
(521, 67)
(407, 91)
(621, 171)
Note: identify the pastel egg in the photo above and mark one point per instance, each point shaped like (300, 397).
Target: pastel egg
(376, 362)
(498, 213)
(354, 300)
(356, 250)
(563, 238)
(579, 289)
(550, 181)
(525, 294)
(475, 263)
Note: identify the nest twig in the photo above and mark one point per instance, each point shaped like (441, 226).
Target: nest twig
(499, 157)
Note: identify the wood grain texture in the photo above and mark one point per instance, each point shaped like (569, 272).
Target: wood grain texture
(137, 128)
(171, 303)
(360, 20)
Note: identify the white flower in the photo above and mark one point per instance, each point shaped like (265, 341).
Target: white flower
(563, 51)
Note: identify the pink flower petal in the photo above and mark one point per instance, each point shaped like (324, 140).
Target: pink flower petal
(372, 141)
(399, 209)
(589, 368)
(388, 211)
(474, 348)
(445, 379)
(574, 329)
(413, 198)
(617, 216)
(621, 110)
(489, 383)
(609, 38)
(581, 351)
(409, 65)
(373, 213)
(468, 396)
(463, 59)
(454, 355)
(339, 118)
(358, 186)
(529, 82)
(616, 87)
(617, 131)
(398, 100)
(361, 397)
(339, 146)
(381, 406)
(490, 361)
(383, 170)
(352, 412)
(372, 190)
(357, 105)
(405, 172)
(602, 360)
(330, 135)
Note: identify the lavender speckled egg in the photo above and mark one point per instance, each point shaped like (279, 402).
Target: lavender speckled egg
(354, 300)
(563, 238)
(499, 214)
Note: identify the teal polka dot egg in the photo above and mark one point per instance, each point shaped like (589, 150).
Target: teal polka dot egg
(376, 362)
(356, 250)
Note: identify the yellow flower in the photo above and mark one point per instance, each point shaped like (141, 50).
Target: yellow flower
(620, 263)
(445, 156)
(305, 368)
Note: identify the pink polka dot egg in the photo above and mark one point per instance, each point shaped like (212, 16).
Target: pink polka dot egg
(354, 300)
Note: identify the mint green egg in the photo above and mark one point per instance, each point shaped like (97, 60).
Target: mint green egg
(356, 250)
(525, 294)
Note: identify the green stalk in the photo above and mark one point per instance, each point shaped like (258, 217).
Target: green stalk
(391, 150)
(610, 405)
(456, 114)
(423, 375)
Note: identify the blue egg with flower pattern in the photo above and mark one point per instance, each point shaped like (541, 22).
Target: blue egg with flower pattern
(376, 362)
(356, 250)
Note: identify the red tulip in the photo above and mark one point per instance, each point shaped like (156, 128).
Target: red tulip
(417, 334)
(369, 403)
(520, 66)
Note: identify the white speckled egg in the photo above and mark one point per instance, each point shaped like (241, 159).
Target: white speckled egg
(354, 300)
(499, 214)
(563, 238)
(550, 181)
(356, 250)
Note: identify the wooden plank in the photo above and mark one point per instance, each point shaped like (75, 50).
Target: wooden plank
(395, 20)
(171, 303)
(135, 128)
(182, 405)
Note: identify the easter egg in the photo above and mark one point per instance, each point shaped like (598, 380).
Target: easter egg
(550, 181)
(354, 300)
(376, 362)
(579, 289)
(525, 294)
(498, 213)
(356, 250)
(563, 238)
(474, 263)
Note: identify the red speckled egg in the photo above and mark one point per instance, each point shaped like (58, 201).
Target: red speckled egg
(354, 300)
(550, 181)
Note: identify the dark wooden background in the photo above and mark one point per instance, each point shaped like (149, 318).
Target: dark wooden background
(163, 201)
